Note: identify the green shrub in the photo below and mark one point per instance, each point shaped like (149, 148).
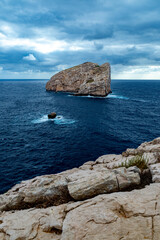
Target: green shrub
(138, 161)
(90, 81)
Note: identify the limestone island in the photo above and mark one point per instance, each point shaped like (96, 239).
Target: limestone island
(85, 79)
(115, 197)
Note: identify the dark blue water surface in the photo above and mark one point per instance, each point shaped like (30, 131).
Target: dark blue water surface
(85, 128)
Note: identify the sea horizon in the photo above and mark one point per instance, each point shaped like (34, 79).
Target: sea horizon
(45, 79)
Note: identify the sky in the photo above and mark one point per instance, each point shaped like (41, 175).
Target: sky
(41, 37)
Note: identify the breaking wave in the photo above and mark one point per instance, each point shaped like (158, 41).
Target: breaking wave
(117, 96)
(59, 120)
(109, 96)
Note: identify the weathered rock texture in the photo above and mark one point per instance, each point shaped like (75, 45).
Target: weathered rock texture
(125, 215)
(85, 79)
(53, 190)
(87, 203)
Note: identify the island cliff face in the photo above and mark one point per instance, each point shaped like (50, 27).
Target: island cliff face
(100, 200)
(85, 79)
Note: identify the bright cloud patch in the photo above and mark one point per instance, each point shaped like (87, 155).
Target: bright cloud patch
(135, 72)
(1, 68)
(30, 57)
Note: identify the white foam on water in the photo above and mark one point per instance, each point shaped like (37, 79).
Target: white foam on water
(140, 100)
(59, 120)
(109, 96)
(117, 96)
(88, 96)
(44, 118)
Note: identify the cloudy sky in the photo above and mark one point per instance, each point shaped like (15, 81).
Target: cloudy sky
(41, 37)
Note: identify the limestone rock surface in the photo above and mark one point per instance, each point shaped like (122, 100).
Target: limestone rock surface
(85, 79)
(146, 147)
(42, 191)
(155, 171)
(122, 215)
(89, 183)
(53, 190)
(40, 224)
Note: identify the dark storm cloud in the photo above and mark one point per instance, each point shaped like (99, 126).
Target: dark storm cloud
(69, 32)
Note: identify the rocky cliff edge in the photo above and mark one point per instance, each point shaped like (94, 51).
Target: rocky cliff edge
(107, 199)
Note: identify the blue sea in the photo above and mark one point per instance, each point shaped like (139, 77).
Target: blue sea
(84, 129)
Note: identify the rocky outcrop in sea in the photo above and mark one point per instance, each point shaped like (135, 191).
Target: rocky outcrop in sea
(85, 79)
(115, 197)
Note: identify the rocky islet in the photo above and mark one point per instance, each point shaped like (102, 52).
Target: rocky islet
(84, 79)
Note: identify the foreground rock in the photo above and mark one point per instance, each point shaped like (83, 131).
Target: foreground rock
(89, 183)
(53, 190)
(146, 147)
(41, 191)
(87, 202)
(85, 79)
(124, 215)
(155, 171)
(148, 150)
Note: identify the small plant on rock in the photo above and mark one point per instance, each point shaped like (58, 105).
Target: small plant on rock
(138, 161)
(90, 80)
